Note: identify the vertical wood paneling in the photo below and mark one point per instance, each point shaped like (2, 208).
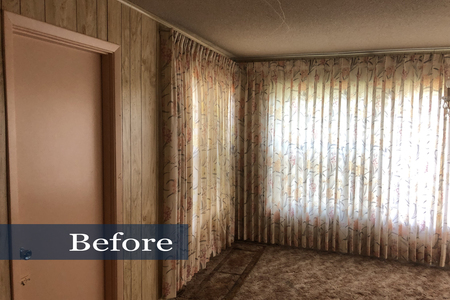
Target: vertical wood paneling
(117, 23)
(11, 5)
(62, 13)
(87, 17)
(149, 119)
(102, 19)
(114, 21)
(149, 140)
(33, 9)
(136, 140)
(126, 124)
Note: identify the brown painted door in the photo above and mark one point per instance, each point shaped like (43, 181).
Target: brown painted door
(57, 94)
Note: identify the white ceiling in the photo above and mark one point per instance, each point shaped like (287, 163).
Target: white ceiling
(276, 28)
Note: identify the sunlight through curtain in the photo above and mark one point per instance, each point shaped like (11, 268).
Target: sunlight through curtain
(346, 154)
(198, 136)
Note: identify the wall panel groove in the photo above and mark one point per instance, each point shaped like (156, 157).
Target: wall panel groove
(126, 121)
(136, 140)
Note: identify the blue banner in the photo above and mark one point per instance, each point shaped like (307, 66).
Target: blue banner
(93, 242)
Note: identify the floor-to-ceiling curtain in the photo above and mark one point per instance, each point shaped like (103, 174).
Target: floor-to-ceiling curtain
(346, 154)
(198, 149)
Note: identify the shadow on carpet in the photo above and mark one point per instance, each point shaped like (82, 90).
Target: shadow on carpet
(259, 272)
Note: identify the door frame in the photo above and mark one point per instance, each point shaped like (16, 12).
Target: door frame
(14, 24)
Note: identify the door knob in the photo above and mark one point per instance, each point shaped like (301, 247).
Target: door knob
(25, 254)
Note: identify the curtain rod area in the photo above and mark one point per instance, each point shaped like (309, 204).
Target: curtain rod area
(343, 54)
(183, 31)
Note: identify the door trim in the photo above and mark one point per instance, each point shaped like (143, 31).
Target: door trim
(14, 24)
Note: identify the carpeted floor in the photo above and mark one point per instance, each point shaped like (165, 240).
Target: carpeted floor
(256, 271)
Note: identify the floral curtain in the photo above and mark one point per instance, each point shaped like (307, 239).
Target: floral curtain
(346, 154)
(199, 138)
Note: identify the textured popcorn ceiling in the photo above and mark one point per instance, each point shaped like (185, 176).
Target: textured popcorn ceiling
(265, 28)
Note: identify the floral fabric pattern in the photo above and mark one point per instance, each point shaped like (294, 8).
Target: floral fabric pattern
(199, 150)
(346, 154)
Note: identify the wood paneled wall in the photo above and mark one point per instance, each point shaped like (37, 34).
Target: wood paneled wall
(138, 36)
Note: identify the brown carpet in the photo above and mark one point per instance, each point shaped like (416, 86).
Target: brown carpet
(256, 271)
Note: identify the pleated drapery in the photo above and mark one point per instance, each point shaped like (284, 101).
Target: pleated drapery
(346, 154)
(198, 138)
